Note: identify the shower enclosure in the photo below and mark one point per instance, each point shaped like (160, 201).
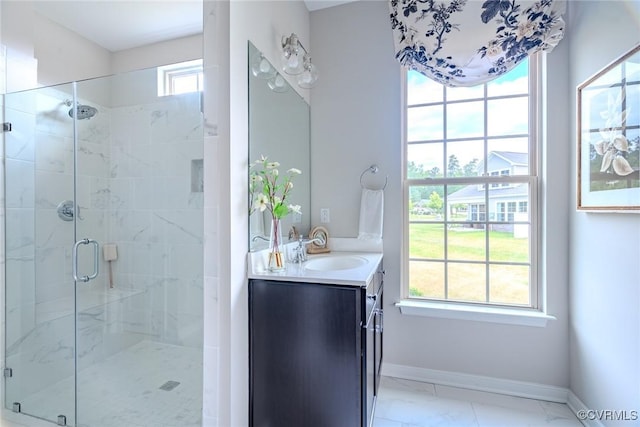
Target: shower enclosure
(104, 253)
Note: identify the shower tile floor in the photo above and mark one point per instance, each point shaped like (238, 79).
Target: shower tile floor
(125, 390)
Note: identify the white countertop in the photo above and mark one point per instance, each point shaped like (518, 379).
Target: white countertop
(358, 276)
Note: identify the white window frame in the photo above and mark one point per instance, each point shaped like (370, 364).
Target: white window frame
(516, 314)
(167, 75)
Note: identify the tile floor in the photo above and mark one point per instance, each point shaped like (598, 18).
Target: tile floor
(124, 390)
(404, 403)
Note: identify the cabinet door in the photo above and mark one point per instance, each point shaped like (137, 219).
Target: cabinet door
(305, 355)
(379, 327)
(370, 368)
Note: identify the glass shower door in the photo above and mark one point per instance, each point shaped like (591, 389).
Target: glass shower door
(39, 237)
(104, 253)
(139, 192)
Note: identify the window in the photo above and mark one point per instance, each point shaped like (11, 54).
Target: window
(184, 77)
(470, 185)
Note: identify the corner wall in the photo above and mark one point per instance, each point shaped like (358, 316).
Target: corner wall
(604, 299)
(264, 23)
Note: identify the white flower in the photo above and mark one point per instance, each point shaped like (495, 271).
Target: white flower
(262, 202)
(289, 185)
(294, 171)
(272, 165)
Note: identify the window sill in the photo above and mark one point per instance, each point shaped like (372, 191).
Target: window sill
(508, 316)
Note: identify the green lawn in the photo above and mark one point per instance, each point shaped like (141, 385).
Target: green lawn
(467, 282)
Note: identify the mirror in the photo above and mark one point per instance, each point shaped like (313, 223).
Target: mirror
(278, 129)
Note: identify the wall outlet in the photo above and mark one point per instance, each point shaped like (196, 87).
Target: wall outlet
(296, 218)
(324, 216)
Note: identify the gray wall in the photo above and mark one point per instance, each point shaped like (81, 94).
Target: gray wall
(356, 121)
(604, 297)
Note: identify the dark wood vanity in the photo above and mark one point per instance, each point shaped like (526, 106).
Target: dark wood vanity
(315, 352)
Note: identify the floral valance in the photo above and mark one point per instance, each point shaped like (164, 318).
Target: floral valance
(468, 42)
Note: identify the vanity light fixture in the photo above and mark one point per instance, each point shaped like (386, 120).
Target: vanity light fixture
(296, 61)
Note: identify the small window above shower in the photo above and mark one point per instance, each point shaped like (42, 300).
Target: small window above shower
(183, 77)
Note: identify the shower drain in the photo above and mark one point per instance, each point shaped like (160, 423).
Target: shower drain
(169, 385)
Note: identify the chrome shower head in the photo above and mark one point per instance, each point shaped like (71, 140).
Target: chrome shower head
(82, 112)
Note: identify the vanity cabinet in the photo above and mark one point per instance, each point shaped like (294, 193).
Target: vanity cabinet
(315, 353)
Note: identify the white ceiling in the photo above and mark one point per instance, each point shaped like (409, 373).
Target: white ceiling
(124, 24)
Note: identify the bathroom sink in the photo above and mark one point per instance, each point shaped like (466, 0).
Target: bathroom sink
(332, 263)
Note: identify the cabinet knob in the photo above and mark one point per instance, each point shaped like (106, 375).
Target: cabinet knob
(372, 297)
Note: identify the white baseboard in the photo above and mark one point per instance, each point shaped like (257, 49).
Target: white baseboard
(577, 407)
(482, 383)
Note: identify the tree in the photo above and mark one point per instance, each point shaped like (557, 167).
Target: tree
(435, 172)
(471, 168)
(415, 171)
(435, 202)
(453, 167)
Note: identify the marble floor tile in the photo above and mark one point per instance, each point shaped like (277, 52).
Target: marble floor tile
(405, 403)
(126, 390)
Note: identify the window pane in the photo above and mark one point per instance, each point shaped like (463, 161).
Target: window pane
(463, 157)
(425, 160)
(509, 284)
(426, 279)
(185, 84)
(424, 123)
(465, 120)
(460, 93)
(509, 242)
(466, 203)
(422, 90)
(467, 242)
(509, 153)
(467, 282)
(508, 116)
(514, 82)
(505, 201)
(430, 197)
(426, 240)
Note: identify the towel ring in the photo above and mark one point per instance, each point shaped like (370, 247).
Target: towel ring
(373, 169)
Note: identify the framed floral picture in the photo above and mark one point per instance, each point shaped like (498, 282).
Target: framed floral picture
(609, 137)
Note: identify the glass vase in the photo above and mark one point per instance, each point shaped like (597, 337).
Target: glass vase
(276, 247)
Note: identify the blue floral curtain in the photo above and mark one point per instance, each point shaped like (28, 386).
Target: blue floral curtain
(465, 43)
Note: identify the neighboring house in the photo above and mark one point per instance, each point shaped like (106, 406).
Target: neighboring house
(507, 202)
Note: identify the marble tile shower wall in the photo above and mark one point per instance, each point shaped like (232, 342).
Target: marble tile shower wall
(136, 188)
(156, 216)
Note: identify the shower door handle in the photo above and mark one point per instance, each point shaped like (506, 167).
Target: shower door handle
(96, 251)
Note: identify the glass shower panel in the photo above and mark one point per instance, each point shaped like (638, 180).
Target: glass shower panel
(104, 244)
(139, 193)
(39, 298)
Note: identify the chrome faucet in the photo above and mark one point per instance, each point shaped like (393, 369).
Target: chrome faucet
(300, 251)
